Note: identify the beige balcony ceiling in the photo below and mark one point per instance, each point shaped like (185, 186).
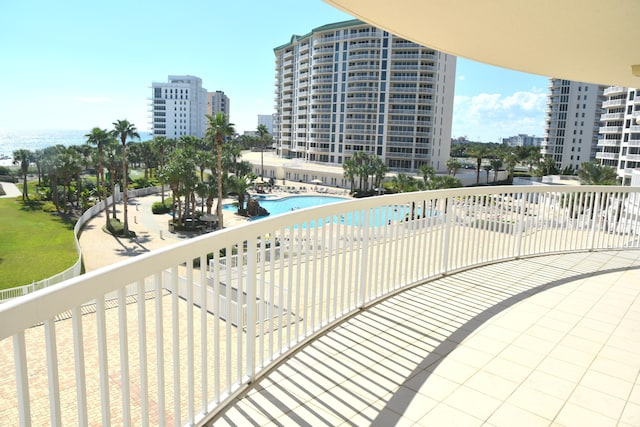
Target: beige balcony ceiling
(590, 40)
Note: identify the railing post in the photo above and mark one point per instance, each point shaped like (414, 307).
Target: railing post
(22, 379)
(364, 260)
(595, 213)
(447, 232)
(521, 224)
(251, 308)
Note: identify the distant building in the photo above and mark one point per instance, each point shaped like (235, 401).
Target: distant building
(572, 122)
(522, 140)
(178, 107)
(349, 87)
(267, 120)
(218, 102)
(619, 139)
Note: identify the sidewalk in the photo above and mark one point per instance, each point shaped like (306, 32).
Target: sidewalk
(100, 249)
(10, 189)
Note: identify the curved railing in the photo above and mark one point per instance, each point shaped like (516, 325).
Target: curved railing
(76, 268)
(172, 336)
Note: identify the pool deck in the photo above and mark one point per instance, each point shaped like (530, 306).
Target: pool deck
(100, 249)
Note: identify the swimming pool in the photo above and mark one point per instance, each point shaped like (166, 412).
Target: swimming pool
(379, 216)
(288, 204)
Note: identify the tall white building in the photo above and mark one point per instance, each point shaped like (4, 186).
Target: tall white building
(350, 87)
(218, 102)
(178, 107)
(619, 140)
(572, 122)
(267, 120)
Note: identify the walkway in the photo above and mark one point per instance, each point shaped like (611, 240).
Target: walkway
(551, 340)
(10, 189)
(100, 249)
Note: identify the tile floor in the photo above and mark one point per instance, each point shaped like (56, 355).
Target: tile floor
(552, 340)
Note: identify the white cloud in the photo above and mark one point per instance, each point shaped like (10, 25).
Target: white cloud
(490, 116)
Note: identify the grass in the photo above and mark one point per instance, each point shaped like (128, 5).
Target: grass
(34, 245)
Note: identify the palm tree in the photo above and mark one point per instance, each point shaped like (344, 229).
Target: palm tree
(23, 157)
(496, 164)
(427, 172)
(99, 137)
(444, 181)
(478, 151)
(161, 145)
(218, 128)
(592, 173)
(240, 185)
(379, 172)
(349, 172)
(453, 165)
(263, 135)
(110, 152)
(123, 130)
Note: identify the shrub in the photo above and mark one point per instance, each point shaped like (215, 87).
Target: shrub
(49, 207)
(158, 208)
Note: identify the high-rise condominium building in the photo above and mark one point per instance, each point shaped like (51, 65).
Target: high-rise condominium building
(178, 107)
(349, 88)
(218, 102)
(619, 141)
(572, 122)
(267, 120)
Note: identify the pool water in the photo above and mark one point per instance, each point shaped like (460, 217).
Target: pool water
(377, 217)
(288, 204)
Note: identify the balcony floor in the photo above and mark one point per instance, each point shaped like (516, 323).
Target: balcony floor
(552, 340)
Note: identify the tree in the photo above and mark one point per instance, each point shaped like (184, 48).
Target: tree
(99, 138)
(23, 157)
(402, 183)
(240, 184)
(379, 172)
(69, 168)
(546, 167)
(218, 129)
(592, 173)
(124, 130)
(263, 135)
(444, 181)
(453, 165)
(427, 172)
(487, 169)
(496, 164)
(349, 168)
(479, 151)
(161, 146)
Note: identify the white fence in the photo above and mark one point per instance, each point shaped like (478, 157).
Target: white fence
(76, 268)
(171, 336)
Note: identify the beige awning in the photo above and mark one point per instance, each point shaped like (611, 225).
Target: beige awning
(592, 41)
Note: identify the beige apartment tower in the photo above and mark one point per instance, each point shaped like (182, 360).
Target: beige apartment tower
(350, 87)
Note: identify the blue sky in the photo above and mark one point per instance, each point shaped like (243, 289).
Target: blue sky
(76, 64)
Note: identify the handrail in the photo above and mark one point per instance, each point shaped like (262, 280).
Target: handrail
(190, 326)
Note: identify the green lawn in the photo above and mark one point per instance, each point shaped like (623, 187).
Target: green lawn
(34, 245)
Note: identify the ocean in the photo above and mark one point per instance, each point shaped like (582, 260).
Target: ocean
(38, 139)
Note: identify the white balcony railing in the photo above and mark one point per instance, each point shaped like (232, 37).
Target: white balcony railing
(173, 335)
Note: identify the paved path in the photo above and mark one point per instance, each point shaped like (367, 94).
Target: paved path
(10, 189)
(100, 249)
